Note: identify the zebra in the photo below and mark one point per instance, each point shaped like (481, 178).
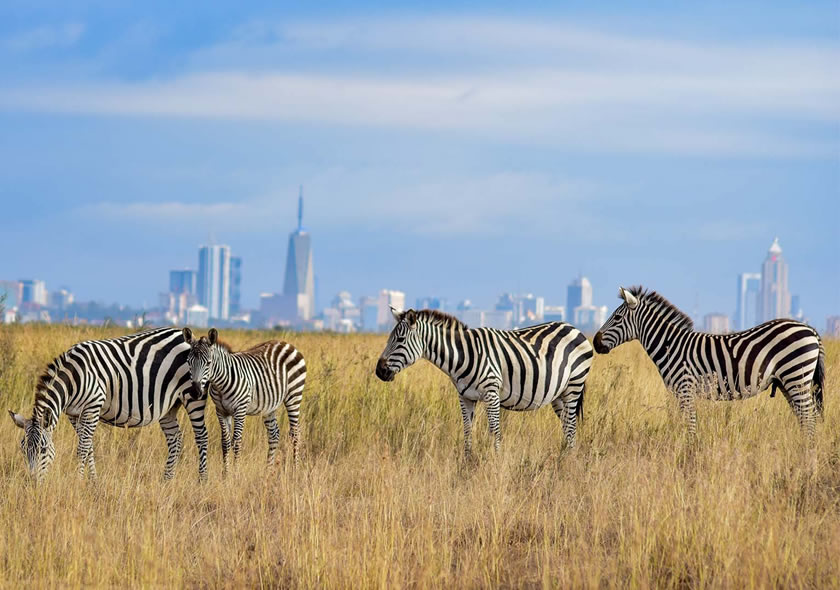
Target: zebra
(129, 381)
(517, 370)
(782, 353)
(253, 382)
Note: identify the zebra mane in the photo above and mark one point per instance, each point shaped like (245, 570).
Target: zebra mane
(678, 318)
(439, 318)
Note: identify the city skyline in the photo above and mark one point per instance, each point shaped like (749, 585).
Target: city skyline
(449, 151)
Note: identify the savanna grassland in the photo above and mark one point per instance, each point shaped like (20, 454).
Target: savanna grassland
(384, 499)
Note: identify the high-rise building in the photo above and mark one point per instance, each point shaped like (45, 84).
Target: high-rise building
(235, 284)
(61, 299)
(438, 303)
(183, 281)
(554, 313)
(746, 305)
(213, 282)
(775, 297)
(369, 312)
(832, 326)
(716, 323)
(387, 300)
(299, 284)
(578, 294)
(33, 291)
(13, 292)
(796, 311)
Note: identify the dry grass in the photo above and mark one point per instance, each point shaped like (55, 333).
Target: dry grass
(383, 498)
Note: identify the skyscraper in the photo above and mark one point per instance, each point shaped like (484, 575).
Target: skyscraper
(578, 294)
(213, 281)
(182, 281)
(33, 291)
(235, 284)
(299, 284)
(775, 297)
(746, 306)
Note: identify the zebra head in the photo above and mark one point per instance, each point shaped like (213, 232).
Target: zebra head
(405, 345)
(200, 358)
(37, 444)
(622, 326)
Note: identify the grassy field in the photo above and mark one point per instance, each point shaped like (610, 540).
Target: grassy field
(384, 499)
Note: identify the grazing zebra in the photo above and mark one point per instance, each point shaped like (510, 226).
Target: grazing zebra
(129, 381)
(512, 369)
(783, 353)
(253, 382)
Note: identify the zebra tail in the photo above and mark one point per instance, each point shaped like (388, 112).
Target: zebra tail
(819, 380)
(579, 409)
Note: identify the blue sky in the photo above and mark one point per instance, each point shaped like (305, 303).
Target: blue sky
(454, 149)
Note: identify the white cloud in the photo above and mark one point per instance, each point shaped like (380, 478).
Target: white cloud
(525, 82)
(501, 204)
(63, 35)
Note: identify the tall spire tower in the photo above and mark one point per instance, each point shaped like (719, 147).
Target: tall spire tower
(299, 284)
(300, 209)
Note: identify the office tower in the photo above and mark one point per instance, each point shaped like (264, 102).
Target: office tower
(554, 313)
(299, 284)
(387, 300)
(183, 281)
(13, 292)
(716, 323)
(235, 284)
(213, 282)
(33, 291)
(775, 297)
(578, 294)
(746, 305)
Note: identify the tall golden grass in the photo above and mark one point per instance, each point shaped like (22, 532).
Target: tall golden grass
(384, 499)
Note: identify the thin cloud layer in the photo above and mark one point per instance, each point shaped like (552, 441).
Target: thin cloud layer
(546, 84)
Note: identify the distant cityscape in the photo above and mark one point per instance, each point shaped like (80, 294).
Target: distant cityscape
(211, 296)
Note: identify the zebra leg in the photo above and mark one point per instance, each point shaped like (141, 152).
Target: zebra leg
(224, 427)
(238, 428)
(172, 431)
(801, 401)
(491, 398)
(565, 407)
(685, 398)
(195, 410)
(85, 427)
(270, 422)
(292, 405)
(467, 414)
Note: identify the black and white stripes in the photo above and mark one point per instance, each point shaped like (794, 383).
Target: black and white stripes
(130, 381)
(252, 382)
(783, 353)
(516, 369)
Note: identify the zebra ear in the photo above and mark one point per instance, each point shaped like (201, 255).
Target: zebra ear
(396, 313)
(187, 335)
(19, 420)
(213, 335)
(629, 298)
(411, 316)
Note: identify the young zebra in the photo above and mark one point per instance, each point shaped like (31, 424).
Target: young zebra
(515, 369)
(783, 353)
(129, 381)
(253, 382)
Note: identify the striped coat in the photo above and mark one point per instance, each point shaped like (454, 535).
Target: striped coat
(253, 382)
(785, 354)
(515, 369)
(130, 381)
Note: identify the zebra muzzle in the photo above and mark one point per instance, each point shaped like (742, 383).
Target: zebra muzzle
(383, 372)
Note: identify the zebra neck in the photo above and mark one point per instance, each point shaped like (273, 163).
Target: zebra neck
(660, 342)
(442, 344)
(223, 361)
(49, 404)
